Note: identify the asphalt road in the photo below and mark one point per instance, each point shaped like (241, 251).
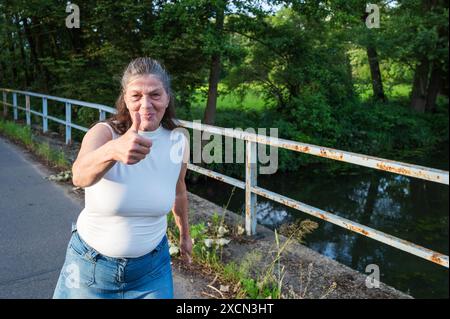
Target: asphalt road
(35, 224)
(36, 216)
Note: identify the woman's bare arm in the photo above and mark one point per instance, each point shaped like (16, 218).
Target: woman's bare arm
(95, 157)
(99, 152)
(181, 208)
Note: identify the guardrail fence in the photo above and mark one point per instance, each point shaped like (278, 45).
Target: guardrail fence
(250, 185)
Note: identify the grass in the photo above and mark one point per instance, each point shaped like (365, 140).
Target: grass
(16, 132)
(23, 135)
(207, 252)
(253, 102)
(394, 92)
(231, 100)
(250, 102)
(246, 279)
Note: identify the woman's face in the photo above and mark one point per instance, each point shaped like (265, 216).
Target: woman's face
(146, 95)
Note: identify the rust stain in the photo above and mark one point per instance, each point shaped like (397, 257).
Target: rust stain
(285, 202)
(437, 259)
(388, 168)
(299, 148)
(357, 229)
(325, 153)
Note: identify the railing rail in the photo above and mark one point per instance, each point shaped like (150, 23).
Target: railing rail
(250, 184)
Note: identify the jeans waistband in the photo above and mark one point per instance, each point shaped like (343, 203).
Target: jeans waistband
(93, 254)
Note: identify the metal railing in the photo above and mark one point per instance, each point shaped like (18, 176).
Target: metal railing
(250, 185)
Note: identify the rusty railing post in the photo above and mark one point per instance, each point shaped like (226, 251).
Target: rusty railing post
(68, 122)
(44, 115)
(5, 108)
(28, 107)
(15, 106)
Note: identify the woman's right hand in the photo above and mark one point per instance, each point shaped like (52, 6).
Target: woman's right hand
(131, 148)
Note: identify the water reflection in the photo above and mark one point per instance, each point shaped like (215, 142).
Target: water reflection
(268, 215)
(404, 207)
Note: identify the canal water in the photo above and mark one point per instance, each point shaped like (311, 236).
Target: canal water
(408, 208)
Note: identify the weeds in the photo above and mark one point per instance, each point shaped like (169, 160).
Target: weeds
(244, 279)
(23, 135)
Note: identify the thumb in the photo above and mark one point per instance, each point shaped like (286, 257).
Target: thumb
(136, 122)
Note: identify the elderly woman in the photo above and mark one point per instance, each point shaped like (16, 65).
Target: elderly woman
(132, 167)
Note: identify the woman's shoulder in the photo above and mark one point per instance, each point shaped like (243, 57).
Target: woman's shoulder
(108, 125)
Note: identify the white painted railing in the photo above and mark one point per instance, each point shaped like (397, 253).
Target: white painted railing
(250, 185)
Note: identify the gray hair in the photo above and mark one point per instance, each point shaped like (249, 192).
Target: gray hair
(121, 121)
(146, 66)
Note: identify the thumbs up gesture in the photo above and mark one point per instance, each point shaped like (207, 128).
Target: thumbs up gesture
(131, 148)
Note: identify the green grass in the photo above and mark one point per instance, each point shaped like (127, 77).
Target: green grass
(251, 102)
(246, 279)
(232, 99)
(16, 132)
(250, 277)
(361, 125)
(237, 276)
(23, 135)
(398, 91)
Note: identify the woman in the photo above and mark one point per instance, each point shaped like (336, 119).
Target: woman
(131, 176)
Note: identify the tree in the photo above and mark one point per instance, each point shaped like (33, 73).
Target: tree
(349, 17)
(429, 69)
(419, 38)
(215, 64)
(291, 53)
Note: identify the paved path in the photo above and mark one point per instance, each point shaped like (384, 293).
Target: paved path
(35, 221)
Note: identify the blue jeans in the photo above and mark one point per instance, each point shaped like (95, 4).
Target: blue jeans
(88, 274)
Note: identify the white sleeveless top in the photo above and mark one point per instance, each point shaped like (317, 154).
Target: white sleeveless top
(125, 211)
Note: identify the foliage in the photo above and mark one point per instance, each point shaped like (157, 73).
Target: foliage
(299, 66)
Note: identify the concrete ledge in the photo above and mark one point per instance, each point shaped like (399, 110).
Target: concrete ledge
(350, 284)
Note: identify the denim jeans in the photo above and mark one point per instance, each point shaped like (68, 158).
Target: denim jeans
(88, 274)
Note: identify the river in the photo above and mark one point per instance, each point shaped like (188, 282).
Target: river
(408, 208)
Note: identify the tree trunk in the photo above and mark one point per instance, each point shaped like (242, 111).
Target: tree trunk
(32, 45)
(211, 104)
(426, 86)
(12, 57)
(37, 34)
(76, 40)
(433, 88)
(445, 85)
(377, 83)
(53, 47)
(22, 53)
(2, 73)
(214, 71)
(419, 90)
